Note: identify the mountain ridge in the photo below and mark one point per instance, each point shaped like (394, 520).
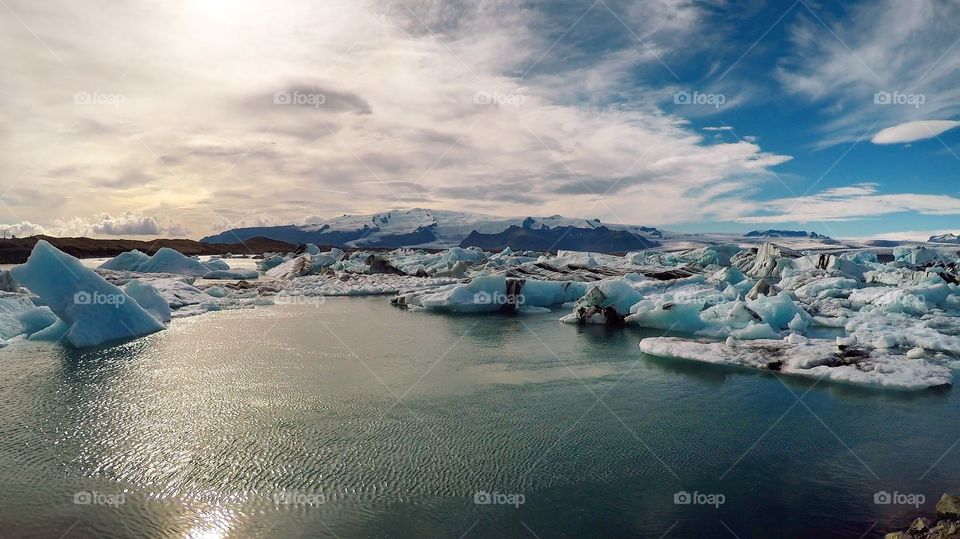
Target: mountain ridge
(420, 227)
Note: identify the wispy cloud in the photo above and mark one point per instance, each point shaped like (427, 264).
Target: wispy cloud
(849, 203)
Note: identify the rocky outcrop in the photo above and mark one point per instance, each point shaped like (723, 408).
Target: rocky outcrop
(947, 525)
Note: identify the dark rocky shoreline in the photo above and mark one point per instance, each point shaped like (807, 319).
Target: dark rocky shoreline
(946, 525)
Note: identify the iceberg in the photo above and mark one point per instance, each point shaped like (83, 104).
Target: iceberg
(811, 358)
(165, 260)
(94, 310)
(232, 274)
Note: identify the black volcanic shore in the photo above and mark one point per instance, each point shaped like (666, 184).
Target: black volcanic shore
(16, 251)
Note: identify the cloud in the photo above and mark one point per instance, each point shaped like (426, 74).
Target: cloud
(883, 63)
(718, 128)
(21, 229)
(130, 224)
(913, 131)
(565, 125)
(850, 203)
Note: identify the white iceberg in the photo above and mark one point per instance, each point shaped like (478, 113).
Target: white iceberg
(94, 310)
(165, 260)
(811, 358)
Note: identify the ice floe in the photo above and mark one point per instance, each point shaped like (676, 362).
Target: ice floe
(813, 358)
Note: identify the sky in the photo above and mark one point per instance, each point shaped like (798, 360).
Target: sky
(188, 117)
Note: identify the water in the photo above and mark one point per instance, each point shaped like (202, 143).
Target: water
(201, 427)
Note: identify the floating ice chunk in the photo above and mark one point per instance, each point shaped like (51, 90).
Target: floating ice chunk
(52, 333)
(767, 262)
(148, 298)
(915, 353)
(216, 291)
(828, 287)
(217, 264)
(19, 315)
(95, 310)
(734, 314)
(779, 310)
(731, 275)
(905, 332)
(570, 259)
(681, 317)
(165, 260)
(918, 255)
(270, 261)
(813, 358)
(755, 331)
(799, 323)
(178, 292)
(232, 274)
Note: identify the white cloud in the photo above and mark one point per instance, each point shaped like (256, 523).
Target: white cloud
(913, 131)
(21, 229)
(197, 134)
(888, 63)
(850, 203)
(129, 224)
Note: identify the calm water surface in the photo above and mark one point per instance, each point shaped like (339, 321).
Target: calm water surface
(379, 422)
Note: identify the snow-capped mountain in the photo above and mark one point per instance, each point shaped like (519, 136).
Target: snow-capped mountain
(945, 238)
(436, 228)
(784, 234)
